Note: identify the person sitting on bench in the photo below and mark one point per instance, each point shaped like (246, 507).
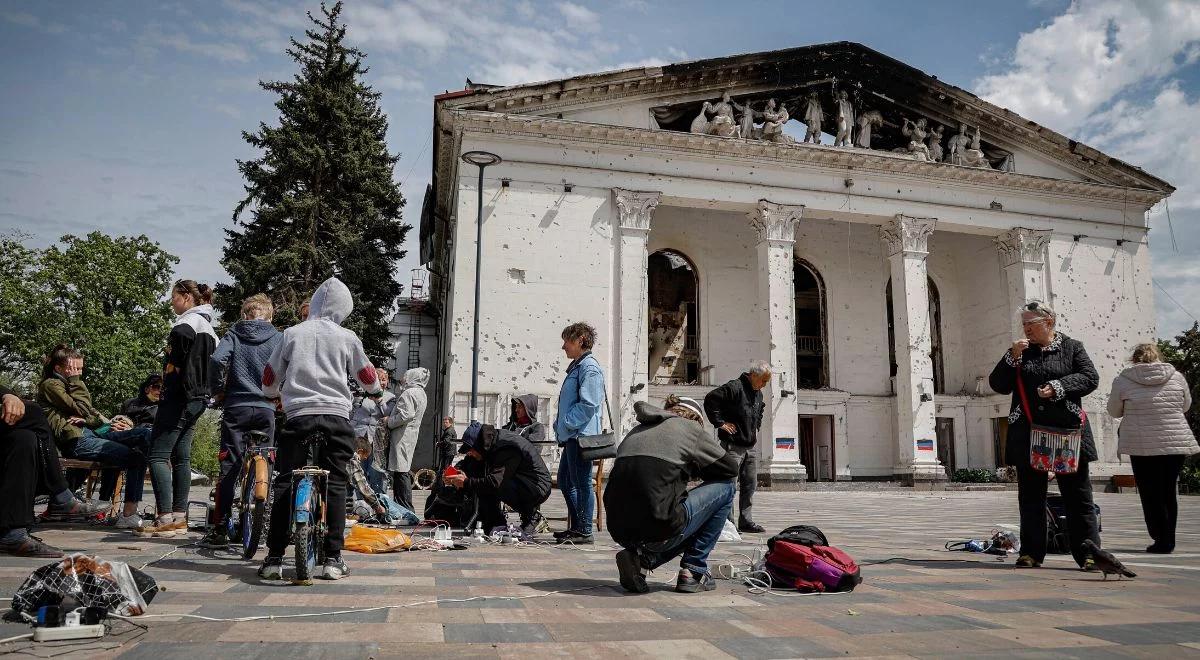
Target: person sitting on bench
(651, 513)
(513, 473)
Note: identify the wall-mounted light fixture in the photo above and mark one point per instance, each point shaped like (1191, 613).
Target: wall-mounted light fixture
(782, 377)
(634, 389)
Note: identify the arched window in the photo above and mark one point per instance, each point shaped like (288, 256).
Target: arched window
(674, 319)
(812, 355)
(935, 335)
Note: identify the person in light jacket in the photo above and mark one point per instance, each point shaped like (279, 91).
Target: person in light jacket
(579, 403)
(404, 421)
(1151, 398)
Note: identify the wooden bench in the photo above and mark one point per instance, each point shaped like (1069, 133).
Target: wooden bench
(1119, 481)
(94, 468)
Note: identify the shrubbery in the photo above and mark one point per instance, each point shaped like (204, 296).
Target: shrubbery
(980, 476)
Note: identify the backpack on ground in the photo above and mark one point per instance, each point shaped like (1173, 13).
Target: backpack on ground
(800, 557)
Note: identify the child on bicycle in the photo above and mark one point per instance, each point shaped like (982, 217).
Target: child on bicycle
(308, 372)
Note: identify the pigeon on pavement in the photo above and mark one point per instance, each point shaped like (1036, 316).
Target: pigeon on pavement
(1106, 562)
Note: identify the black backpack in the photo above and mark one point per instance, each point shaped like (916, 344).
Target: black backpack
(799, 534)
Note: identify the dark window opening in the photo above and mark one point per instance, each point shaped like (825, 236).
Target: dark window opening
(812, 366)
(674, 319)
(935, 335)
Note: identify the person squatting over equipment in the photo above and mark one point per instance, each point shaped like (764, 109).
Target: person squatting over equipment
(513, 473)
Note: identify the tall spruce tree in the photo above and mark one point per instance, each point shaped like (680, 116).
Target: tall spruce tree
(321, 199)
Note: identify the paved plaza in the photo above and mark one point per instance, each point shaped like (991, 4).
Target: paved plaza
(543, 601)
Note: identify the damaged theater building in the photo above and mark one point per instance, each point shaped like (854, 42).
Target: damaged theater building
(868, 229)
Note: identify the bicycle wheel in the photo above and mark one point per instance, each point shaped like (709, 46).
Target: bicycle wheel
(304, 541)
(252, 519)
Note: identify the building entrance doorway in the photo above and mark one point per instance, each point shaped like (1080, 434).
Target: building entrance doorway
(817, 451)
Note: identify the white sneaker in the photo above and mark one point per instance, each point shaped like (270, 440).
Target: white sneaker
(128, 522)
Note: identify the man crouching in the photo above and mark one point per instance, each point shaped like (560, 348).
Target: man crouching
(651, 513)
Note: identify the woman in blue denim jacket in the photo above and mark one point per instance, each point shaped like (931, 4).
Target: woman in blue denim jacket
(579, 403)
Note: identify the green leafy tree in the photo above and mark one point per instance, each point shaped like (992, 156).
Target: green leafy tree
(104, 295)
(321, 198)
(1184, 354)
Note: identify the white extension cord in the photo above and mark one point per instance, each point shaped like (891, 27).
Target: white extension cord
(67, 632)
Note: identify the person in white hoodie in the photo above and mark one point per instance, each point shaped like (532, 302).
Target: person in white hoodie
(404, 421)
(1151, 397)
(185, 392)
(308, 370)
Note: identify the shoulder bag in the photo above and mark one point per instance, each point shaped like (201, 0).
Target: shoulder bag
(1051, 448)
(602, 445)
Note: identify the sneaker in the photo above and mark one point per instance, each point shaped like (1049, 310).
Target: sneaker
(563, 534)
(751, 527)
(335, 569)
(575, 538)
(530, 528)
(271, 569)
(689, 583)
(123, 521)
(77, 509)
(162, 527)
(1156, 549)
(217, 538)
(633, 576)
(1025, 561)
(30, 546)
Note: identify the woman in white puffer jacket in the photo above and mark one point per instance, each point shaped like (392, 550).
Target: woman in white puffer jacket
(1152, 398)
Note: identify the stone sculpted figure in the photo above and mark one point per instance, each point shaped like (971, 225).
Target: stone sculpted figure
(773, 121)
(935, 144)
(722, 124)
(813, 116)
(845, 119)
(916, 133)
(973, 156)
(749, 115)
(957, 146)
(867, 122)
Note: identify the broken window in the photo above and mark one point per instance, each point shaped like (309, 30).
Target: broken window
(674, 319)
(811, 365)
(935, 335)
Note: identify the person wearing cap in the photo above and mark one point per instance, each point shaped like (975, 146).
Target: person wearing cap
(1055, 373)
(513, 473)
(651, 512)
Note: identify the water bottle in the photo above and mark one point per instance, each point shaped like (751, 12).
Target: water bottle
(478, 533)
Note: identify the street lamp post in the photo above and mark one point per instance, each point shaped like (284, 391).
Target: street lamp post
(480, 159)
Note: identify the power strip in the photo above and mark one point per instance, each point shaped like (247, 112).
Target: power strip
(67, 632)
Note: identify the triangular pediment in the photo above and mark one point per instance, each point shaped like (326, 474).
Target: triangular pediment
(672, 98)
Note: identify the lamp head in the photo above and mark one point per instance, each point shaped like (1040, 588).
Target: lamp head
(481, 158)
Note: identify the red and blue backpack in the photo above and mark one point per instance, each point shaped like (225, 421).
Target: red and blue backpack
(800, 557)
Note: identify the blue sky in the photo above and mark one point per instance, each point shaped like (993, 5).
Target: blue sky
(127, 116)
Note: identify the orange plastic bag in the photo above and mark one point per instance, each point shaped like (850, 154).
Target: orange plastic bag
(374, 540)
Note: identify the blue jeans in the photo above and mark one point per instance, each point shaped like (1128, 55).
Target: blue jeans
(125, 449)
(397, 513)
(171, 454)
(575, 482)
(377, 478)
(707, 507)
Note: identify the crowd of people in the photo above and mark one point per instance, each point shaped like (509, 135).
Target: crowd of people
(674, 484)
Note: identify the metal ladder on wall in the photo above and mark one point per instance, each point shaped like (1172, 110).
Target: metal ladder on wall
(416, 302)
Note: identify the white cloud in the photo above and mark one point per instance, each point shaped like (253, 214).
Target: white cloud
(1103, 72)
(25, 19)
(579, 17)
(399, 82)
(223, 51)
(1065, 70)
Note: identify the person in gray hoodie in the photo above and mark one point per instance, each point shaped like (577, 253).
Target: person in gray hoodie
(1151, 398)
(523, 418)
(309, 370)
(236, 382)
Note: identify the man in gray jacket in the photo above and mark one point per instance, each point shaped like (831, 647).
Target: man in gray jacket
(236, 381)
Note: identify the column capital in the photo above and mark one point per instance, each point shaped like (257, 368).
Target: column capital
(634, 208)
(776, 222)
(907, 234)
(1021, 245)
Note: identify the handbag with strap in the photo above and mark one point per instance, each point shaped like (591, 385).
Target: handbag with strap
(602, 445)
(1051, 448)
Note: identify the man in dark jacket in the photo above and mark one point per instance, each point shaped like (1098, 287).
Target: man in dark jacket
(142, 408)
(523, 418)
(651, 513)
(23, 435)
(447, 445)
(736, 409)
(513, 473)
(237, 375)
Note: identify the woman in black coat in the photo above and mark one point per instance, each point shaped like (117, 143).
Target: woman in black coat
(1057, 373)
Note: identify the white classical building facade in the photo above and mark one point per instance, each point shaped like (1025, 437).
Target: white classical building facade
(881, 280)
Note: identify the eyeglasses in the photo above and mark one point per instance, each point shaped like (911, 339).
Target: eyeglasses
(1029, 323)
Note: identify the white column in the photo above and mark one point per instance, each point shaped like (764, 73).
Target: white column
(1022, 253)
(630, 329)
(778, 440)
(907, 242)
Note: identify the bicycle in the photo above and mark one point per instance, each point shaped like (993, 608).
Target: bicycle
(253, 493)
(309, 528)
